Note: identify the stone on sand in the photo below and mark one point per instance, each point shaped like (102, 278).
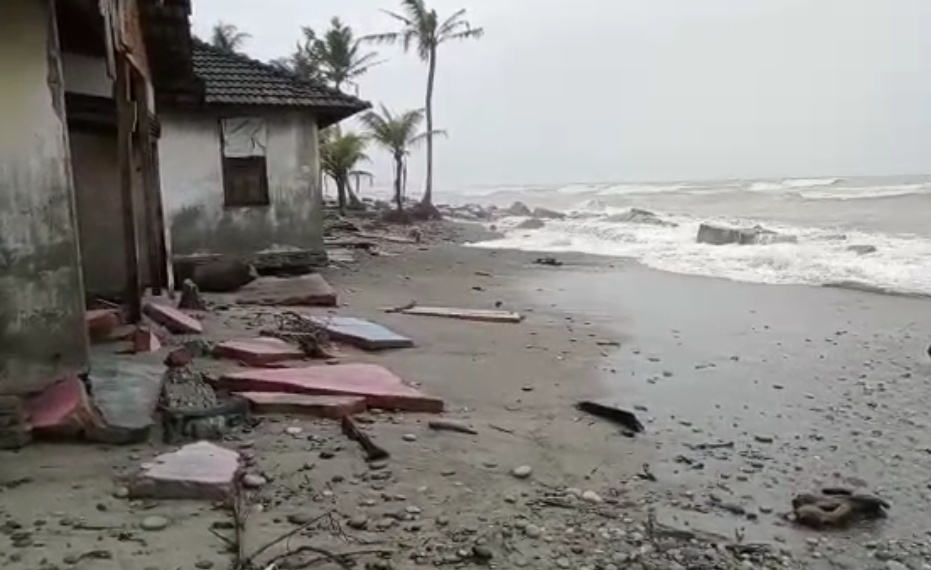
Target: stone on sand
(200, 471)
(522, 471)
(154, 523)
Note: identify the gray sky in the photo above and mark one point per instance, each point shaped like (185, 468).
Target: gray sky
(614, 90)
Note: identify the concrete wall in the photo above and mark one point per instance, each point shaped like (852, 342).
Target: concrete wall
(192, 187)
(42, 331)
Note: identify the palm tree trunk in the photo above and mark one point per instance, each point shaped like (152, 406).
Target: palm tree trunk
(431, 76)
(341, 194)
(397, 183)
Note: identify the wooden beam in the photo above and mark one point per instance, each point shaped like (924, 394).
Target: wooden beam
(126, 117)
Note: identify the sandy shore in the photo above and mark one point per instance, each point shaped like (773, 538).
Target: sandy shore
(812, 386)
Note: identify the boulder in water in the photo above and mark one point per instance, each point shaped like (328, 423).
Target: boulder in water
(518, 209)
(863, 249)
(548, 214)
(721, 235)
(638, 216)
(530, 224)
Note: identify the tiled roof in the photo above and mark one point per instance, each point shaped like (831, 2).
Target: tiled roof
(234, 79)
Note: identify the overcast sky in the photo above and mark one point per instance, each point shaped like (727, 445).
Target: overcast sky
(625, 90)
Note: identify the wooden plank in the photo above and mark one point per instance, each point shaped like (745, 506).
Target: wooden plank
(125, 118)
(483, 315)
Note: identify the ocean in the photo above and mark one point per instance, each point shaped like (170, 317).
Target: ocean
(827, 215)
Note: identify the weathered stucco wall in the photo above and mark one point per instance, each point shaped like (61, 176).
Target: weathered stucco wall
(192, 186)
(42, 332)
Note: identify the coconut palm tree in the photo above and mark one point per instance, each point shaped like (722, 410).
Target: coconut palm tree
(356, 176)
(397, 134)
(228, 37)
(340, 154)
(423, 29)
(341, 56)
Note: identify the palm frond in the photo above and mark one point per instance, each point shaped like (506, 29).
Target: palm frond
(470, 34)
(454, 20)
(417, 140)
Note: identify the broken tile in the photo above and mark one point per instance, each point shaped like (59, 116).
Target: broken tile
(306, 290)
(362, 333)
(63, 411)
(258, 351)
(378, 385)
(101, 323)
(125, 392)
(175, 320)
(466, 314)
(144, 340)
(199, 471)
(329, 407)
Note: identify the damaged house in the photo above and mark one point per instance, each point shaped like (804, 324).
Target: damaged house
(80, 207)
(240, 172)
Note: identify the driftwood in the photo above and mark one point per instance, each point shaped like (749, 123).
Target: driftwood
(616, 415)
(372, 451)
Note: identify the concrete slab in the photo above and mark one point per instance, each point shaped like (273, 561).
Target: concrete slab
(199, 471)
(306, 290)
(329, 407)
(125, 392)
(260, 351)
(362, 333)
(483, 315)
(63, 411)
(378, 385)
(175, 320)
(101, 323)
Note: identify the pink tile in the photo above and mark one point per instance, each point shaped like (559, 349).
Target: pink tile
(63, 411)
(201, 471)
(173, 319)
(330, 407)
(378, 385)
(258, 351)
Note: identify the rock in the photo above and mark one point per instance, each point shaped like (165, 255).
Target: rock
(444, 424)
(203, 564)
(518, 209)
(200, 470)
(721, 235)
(409, 437)
(591, 497)
(190, 297)
(154, 523)
(482, 553)
(862, 249)
(530, 224)
(522, 472)
(223, 275)
(294, 430)
(638, 216)
(121, 493)
(547, 214)
(253, 481)
(563, 563)
(179, 358)
(533, 531)
(895, 565)
(763, 438)
(358, 522)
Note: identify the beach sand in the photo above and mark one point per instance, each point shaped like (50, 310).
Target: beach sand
(813, 386)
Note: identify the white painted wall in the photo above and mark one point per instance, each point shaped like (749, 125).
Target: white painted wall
(87, 75)
(42, 332)
(192, 188)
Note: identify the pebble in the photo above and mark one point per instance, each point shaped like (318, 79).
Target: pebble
(204, 564)
(358, 522)
(253, 481)
(563, 563)
(121, 493)
(413, 510)
(409, 437)
(763, 438)
(482, 552)
(895, 565)
(294, 430)
(533, 531)
(154, 523)
(591, 497)
(522, 472)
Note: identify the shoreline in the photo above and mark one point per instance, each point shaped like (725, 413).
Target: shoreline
(517, 385)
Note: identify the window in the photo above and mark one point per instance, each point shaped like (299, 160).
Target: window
(245, 171)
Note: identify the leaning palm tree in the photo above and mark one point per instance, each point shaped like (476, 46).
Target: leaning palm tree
(340, 154)
(228, 37)
(422, 27)
(397, 134)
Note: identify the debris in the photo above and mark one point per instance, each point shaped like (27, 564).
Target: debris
(591, 497)
(64, 411)
(306, 290)
(101, 323)
(836, 511)
(623, 417)
(390, 238)
(412, 304)
(372, 451)
(379, 386)
(295, 328)
(218, 275)
(548, 260)
(154, 523)
(611, 343)
(330, 407)
(199, 470)
(522, 472)
(173, 319)
(409, 437)
(646, 474)
(362, 333)
(145, 341)
(190, 297)
(484, 315)
(443, 424)
(258, 351)
(179, 358)
(14, 427)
